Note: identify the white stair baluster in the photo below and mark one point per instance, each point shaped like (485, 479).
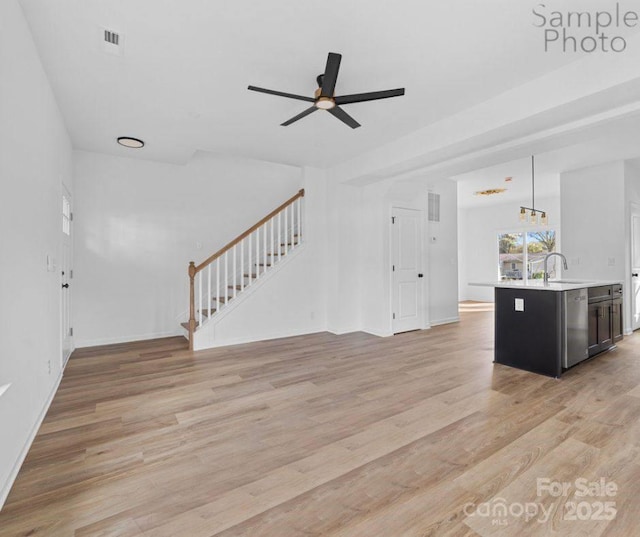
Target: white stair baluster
(279, 235)
(217, 284)
(286, 230)
(241, 273)
(298, 230)
(257, 253)
(264, 252)
(209, 289)
(200, 298)
(226, 278)
(250, 254)
(235, 269)
(292, 225)
(273, 257)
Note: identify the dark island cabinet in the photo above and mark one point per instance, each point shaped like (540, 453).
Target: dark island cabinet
(548, 331)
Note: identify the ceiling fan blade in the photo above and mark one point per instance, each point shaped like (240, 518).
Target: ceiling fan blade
(330, 74)
(372, 96)
(282, 94)
(344, 117)
(305, 113)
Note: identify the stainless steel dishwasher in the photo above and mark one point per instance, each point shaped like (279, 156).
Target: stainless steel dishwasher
(576, 324)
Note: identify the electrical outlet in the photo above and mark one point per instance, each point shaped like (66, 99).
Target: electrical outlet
(575, 260)
(612, 261)
(49, 366)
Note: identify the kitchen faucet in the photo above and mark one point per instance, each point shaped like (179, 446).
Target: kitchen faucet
(546, 258)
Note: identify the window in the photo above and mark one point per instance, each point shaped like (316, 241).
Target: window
(521, 255)
(66, 216)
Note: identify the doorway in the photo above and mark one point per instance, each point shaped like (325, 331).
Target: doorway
(406, 270)
(66, 274)
(635, 267)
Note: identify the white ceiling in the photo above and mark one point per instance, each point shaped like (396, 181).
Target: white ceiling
(181, 84)
(617, 140)
(547, 184)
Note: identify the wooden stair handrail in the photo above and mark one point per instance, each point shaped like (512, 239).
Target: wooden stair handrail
(193, 269)
(235, 241)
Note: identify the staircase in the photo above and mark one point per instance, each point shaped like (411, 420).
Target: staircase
(241, 264)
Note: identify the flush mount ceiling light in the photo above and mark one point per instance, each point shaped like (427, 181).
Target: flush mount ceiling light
(490, 191)
(132, 143)
(530, 214)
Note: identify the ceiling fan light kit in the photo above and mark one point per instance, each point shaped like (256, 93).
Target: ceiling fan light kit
(325, 98)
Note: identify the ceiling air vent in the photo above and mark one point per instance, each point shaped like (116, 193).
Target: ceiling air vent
(434, 207)
(112, 41)
(111, 37)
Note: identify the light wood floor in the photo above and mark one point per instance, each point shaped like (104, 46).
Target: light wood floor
(326, 435)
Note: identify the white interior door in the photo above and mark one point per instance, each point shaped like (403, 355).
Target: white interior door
(65, 278)
(635, 268)
(407, 277)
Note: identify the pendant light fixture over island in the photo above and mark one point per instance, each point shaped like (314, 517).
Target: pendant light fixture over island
(530, 214)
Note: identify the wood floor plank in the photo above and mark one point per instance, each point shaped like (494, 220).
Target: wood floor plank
(325, 435)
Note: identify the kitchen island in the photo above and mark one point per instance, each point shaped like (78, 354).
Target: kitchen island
(549, 327)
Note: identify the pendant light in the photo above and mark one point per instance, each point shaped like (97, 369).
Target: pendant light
(530, 214)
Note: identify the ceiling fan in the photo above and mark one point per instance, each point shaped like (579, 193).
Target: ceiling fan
(324, 98)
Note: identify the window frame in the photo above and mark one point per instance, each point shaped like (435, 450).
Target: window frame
(525, 231)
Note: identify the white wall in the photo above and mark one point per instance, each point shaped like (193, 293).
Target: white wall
(443, 256)
(595, 225)
(593, 221)
(478, 242)
(291, 299)
(366, 259)
(35, 157)
(345, 246)
(139, 223)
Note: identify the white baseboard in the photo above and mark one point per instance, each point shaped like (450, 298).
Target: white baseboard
(343, 331)
(449, 320)
(127, 339)
(251, 339)
(6, 488)
(378, 333)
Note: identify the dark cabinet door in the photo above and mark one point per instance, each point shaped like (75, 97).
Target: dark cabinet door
(604, 326)
(594, 321)
(600, 328)
(616, 319)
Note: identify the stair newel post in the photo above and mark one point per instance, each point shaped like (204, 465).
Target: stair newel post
(192, 303)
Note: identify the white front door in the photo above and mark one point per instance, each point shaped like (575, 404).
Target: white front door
(635, 269)
(65, 278)
(406, 270)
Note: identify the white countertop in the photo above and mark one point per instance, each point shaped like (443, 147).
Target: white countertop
(562, 285)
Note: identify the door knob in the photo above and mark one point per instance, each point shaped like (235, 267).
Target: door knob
(65, 286)
(420, 275)
(635, 274)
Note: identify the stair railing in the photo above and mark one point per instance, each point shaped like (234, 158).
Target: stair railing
(243, 261)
